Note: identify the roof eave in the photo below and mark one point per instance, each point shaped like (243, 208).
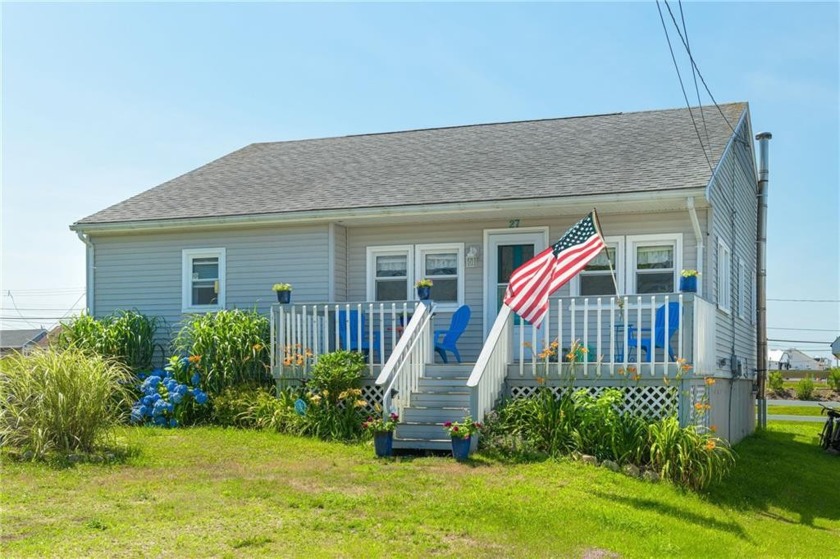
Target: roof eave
(572, 203)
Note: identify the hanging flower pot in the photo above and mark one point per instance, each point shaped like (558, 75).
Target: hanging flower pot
(424, 289)
(284, 292)
(688, 281)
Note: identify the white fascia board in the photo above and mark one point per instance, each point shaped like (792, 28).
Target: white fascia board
(327, 216)
(723, 155)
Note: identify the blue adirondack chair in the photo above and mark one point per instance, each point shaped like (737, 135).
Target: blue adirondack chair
(445, 339)
(354, 344)
(640, 337)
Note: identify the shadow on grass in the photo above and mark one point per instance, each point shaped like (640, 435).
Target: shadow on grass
(678, 513)
(783, 470)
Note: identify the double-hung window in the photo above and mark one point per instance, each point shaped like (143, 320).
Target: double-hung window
(724, 275)
(203, 280)
(389, 273)
(392, 271)
(597, 278)
(654, 263)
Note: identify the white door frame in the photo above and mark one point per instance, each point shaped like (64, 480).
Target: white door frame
(539, 235)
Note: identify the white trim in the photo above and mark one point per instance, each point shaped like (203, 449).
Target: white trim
(488, 290)
(724, 277)
(419, 271)
(386, 250)
(753, 299)
(616, 242)
(719, 166)
(659, 239)
(567, 205)
(187, 256)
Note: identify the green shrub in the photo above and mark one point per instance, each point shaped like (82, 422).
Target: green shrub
(334, 421)
(834, 379)
(61, 400)
(687, 457)
(337, 372)
(805, 388)
(230, 347)
(235, 406)
(127, 336)
(776, 382)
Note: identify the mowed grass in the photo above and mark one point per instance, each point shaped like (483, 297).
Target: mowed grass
(209, 492)
(794, 410)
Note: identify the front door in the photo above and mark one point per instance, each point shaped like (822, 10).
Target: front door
(506, 250)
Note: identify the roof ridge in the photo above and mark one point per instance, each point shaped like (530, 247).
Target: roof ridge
(483, 124)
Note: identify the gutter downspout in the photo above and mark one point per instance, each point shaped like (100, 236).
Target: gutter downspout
(89, 259)
(761, 277)
(698, 235)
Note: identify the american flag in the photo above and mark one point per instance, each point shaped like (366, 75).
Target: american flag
(531, 283)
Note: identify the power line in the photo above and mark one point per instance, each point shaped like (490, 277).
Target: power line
(682, 87)
(834, 301)
(694, 64)
(798, 341)
(802, 329)
(694, 77)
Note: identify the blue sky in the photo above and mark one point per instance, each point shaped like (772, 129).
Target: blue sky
(103, 101)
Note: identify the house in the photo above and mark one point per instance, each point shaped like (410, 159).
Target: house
(795, 360)
(351, 222)
(778, 360)
(21, 341)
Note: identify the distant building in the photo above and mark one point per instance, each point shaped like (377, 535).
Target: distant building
(22, 341)
(795, 360)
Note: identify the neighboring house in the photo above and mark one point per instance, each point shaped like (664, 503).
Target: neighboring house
(358, 219)
(799, 361)
(21, 341)
(778, 360)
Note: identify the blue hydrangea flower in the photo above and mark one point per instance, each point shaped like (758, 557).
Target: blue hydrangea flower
(160, 420)
(200, 397)
(176, 397)
(182, 389)
(196, 378)
(185, 362)
(142, 376)
(160, 407)
(157, 371)
(170, 384)
(136, 414)
(173, 422)
(148, 400)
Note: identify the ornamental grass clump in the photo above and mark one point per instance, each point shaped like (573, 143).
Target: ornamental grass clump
(128, 336)
(233, 346)
(61, 400)
(805, 388)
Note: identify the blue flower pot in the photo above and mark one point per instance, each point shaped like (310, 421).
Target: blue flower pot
(423, 293)
(284, 297)
(461, 448)
(689, 284)
(383, 443)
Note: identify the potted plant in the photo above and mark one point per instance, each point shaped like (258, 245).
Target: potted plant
(284, 292)
(424, 289)
(688, 281)
(461, 434)
(383, 433)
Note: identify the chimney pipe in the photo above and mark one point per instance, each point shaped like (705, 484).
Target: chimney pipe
(761, 276)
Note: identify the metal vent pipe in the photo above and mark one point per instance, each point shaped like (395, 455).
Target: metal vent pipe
(761, 276)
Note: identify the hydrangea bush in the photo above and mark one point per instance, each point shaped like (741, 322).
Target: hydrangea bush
(163, 399)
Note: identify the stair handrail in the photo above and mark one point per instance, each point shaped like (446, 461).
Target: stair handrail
(488, 376)
(407, 363)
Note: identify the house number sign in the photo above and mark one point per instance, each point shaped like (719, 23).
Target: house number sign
(513, 223)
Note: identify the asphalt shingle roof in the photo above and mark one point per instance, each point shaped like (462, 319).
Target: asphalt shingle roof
(16, 339)
(602, 154)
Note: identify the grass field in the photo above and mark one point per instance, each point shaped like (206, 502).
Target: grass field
(209, 492)
(794, 410)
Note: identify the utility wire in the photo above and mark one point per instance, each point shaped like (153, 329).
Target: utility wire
(682, 86)
(806, 300)
(14, 304)
(798, 341)
(694, 76)
(694, 64)
(802, 329)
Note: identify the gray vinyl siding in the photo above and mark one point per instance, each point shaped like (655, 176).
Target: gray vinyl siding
(472, 233)
(340, 262)
(733, 220)
(143, 271)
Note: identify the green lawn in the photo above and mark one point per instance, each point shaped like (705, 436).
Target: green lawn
(224, 493)
(794, 410)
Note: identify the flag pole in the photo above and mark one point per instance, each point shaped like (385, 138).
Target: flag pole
(609, 262)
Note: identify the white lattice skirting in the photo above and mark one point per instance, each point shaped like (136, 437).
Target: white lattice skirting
(651, 401)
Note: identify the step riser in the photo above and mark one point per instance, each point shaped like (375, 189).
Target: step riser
(441, 400)
(435, 415)
(423, 445)
(436, 383)
(422, 431)
(448, 372)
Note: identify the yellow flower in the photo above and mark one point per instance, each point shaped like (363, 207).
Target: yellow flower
(287, 361)
(698, 406)
(540, 380)
(713, 428)
(710, 445)
(709, 381)
(258, 347)
(315, 399)
(343, 395)
(194, 359)
(527, 344)
(555, 344)
(360, 403)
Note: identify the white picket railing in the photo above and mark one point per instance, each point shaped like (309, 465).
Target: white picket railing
(301, 332)
(406, 366)
(603, 330)
(487, 379)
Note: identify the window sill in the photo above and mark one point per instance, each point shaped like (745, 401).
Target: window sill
(201, 309)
